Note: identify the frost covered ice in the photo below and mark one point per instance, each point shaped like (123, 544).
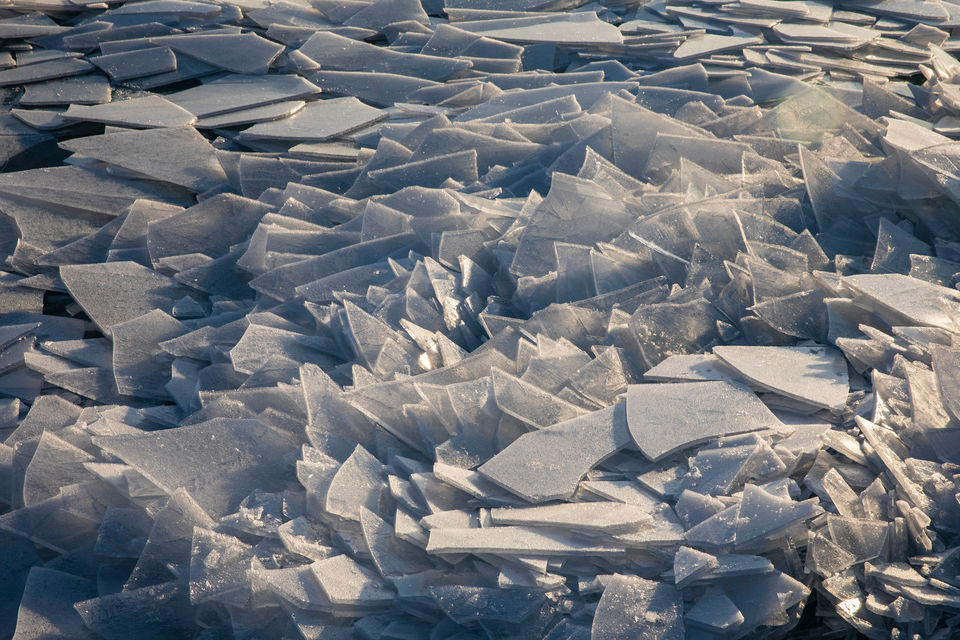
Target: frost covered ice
(450, 319)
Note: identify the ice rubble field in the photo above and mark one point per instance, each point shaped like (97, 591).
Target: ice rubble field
(479, 320)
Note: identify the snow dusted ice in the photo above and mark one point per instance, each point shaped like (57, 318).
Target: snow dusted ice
(471, 319)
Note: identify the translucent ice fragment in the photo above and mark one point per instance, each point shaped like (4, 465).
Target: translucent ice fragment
(140, 368)
(246, 53)
(356, 485)
(318, 121)
(137, 113)
(209, 227)
(765, 598)
(717, 532)
(530, 403)
(128, 65)
(714, 612)
(709, 44)
(116, 292)
(667, 328)
(578, 516)
(383, 89)
(565, 28)
(136, 613)
(239, 92)
(717, 471)
(902, 299)
(48, 413)
(814, 375)
(556, 218)
(763, 515)
(466, 604)
(379, 14)
(74, 190)
(894, 248)
(264, 113)
(29, 25)
(460, 166)
(391, 555)
(910, 489)
(345, 581)
(548, 464)
(51, 70)
(524, 541)
(693, 508)
(46, 606)
(219, 461)
(664, 418)
(826, 557)
(123, 532)
(690, 565)
(88, 89)
(218, 568)
(635, 608)
(946, 367)
(166, 554)
(338, 53)
(864, 539)
(282, 281)
(55, 464)
(178, 155)
(247, 354)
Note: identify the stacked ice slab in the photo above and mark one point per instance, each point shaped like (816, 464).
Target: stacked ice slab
(403, 320)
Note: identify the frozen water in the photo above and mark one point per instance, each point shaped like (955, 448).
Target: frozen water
(151, 111)
(239, 92)
(253, 115)
(179, 155)
(665, 418)
(138, 63)
(244, 53)
(318, 121)
(548, 464)
(134, 291)
(812, 375)
(50, 70)
(402, 319)
(584, 516)
(632, 607)
(210, 457)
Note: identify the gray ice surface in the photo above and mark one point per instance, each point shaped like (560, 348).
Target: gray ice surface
(405, 319)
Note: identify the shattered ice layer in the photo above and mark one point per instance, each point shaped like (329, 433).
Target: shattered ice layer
(406, 319)
(665, 418)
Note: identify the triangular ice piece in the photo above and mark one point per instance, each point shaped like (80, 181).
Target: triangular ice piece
(689, 564)
(764, 515)
(714, 612)
(114, 292)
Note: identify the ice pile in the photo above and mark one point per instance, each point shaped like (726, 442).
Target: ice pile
(402, 320)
